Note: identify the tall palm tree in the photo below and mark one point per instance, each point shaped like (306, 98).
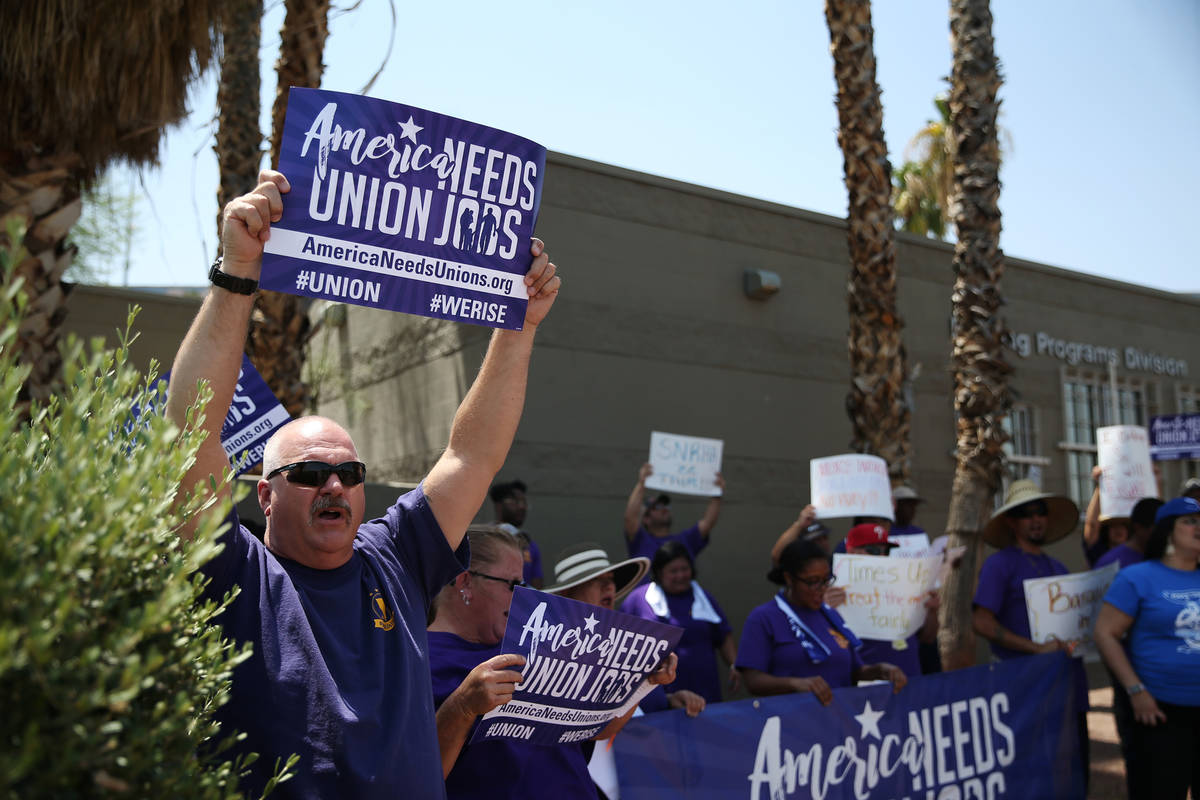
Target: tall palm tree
(981, 394)
(239, 139)
(85, 83)
(876, 404)
(279, 327)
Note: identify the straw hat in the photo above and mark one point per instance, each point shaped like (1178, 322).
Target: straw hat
(580, 563)
(1063, 517)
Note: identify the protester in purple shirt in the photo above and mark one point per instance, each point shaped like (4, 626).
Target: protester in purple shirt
(648, 523)
(674, 597)
(1028, 520)
(471, 677)
(333, 606)
(796, 643)
(1141, 523)
(511, 505)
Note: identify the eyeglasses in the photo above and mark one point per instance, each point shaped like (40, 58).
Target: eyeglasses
(316, 473)
(817, 583)
(876, 549)
(1037, 509)
(512, 583)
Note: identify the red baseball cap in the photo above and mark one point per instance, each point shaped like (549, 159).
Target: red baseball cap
(868, 533)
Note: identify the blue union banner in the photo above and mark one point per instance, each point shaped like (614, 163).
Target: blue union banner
(1007, 730)
(396, 207)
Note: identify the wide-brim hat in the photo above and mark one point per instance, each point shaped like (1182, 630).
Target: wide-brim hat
(580, 563)
(1062, 518)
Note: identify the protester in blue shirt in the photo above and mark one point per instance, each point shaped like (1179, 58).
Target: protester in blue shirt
(648, 521)
(335, 607)
(1154, 607)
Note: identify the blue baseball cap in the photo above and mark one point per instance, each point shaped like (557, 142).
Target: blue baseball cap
(1178, 507)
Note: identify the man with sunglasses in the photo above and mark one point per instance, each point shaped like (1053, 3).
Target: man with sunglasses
(335, 607)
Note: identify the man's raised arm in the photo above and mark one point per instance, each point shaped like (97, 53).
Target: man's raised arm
(487, 419)
(212, 349)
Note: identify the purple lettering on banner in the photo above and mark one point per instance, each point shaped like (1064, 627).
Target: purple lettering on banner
(400, 208)
(253, 416)
(585, 665)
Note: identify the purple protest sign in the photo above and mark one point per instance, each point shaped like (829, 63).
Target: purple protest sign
(584, 666)
(253, 415)
(396, 207)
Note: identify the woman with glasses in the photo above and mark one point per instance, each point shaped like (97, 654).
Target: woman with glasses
(1148, 633)
(797, 643)
(470, 675)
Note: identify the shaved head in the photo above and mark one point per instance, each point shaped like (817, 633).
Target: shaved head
(288, 440)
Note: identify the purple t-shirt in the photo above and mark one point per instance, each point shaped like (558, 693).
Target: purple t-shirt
(496, 769)
(697, 669)
(339, 673)
(1123, 554)
(873, 651)
(1001, 589)
(533, 562)
(769, 645)
(643, 544)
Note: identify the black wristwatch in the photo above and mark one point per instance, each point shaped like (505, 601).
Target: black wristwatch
(230, 283)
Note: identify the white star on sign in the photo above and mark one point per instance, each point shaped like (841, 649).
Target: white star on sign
(410, 129)
(589, 622)
(869, 720)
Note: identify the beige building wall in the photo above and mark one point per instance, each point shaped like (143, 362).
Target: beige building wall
(654, 332)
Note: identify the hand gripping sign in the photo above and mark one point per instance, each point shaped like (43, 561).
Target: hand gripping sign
(1065, 607)
(584, 666)
(396, 207)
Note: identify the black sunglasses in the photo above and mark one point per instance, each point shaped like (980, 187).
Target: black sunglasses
(877, 549)
(1035, 509)
(512, 584)
(316, 473)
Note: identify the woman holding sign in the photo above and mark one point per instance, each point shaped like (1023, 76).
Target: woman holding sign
(1148, 633)
(797, 643)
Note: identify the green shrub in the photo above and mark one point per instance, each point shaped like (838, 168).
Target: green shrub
(110, 668)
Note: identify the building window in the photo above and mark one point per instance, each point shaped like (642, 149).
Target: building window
(1088, 405)
(1022, 457)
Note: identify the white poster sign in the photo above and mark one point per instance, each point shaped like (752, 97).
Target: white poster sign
(1124, 455)
(850, 485)
(685, 464)
(885, 597)
(910, 545)
(1064, 607)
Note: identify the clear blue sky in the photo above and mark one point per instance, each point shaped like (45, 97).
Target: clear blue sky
(1101, 100)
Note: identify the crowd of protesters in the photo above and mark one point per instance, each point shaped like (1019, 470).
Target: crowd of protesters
(352, 621)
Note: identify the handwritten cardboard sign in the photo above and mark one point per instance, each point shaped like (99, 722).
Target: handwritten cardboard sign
(396, 207)
(1124, 455)
(885, 597)
(1065, 607)
(584, 666)
(685, 464)
(850, 485)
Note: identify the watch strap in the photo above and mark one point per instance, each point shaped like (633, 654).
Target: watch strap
(230, 283)
(1135, 688)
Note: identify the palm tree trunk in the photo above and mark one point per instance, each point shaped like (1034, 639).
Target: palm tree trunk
(279, 326)
(239, 139)
(44, 191)
(876, 403)
(981, 395)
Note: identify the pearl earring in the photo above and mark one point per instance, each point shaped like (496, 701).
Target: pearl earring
(466, 600)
